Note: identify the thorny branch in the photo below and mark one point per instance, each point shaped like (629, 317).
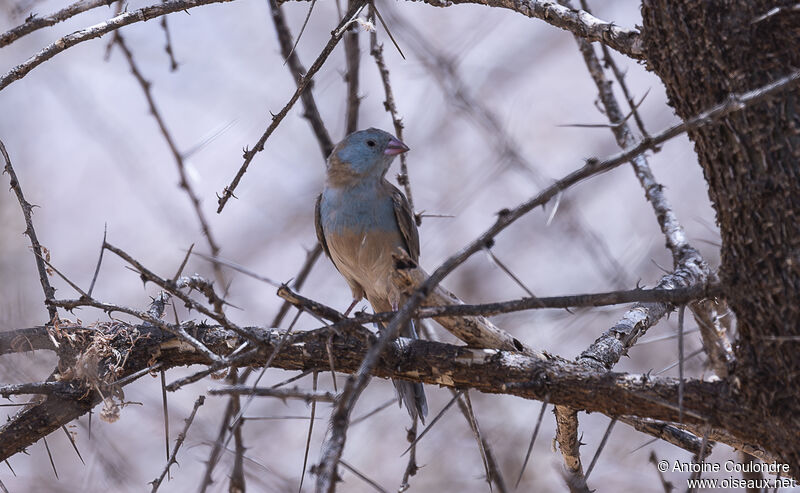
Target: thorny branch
(578, 22)
(34, 22)
(310, 111)
(675, 296)
(181, 437)
(334, 445)
(176, 154)
(444, 70)
(121, 20)
(304, 81)
(352, 57)
(293, 393)
(507, 372)
(683, 254)
(376, 50)
(38, 254)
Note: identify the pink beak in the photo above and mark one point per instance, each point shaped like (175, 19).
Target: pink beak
(395, 147)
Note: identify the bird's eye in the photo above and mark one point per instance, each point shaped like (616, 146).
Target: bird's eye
(371, 143)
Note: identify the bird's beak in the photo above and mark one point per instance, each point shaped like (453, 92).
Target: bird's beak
(395, 147)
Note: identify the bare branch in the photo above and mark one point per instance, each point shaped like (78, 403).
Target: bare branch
(533, 440)
(569, 444)
(181, 437)
(667, 432)
(176, 154)
(27, 209)
(310, 110)
(578, 22)
(70, 40)
(34, 22)
(172, 288)
(29, 339)
(293, 393)
(301, 86)
(533, 377)
(455, 89)
(352, 56)
(376, 50)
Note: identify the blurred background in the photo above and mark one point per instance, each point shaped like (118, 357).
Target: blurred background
(89, 154)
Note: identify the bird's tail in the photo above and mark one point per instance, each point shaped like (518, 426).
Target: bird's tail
(412, 394)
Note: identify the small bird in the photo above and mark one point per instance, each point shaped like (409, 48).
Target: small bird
(361, 219)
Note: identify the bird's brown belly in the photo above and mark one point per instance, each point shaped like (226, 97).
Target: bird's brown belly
(365, 260)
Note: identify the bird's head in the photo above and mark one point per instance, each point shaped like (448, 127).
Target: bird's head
(363, 154)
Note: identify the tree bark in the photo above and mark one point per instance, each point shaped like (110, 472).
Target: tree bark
(704, 50)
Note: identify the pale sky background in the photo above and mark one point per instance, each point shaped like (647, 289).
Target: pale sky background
(88, 154)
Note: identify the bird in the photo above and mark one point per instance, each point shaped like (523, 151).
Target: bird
(361, 220)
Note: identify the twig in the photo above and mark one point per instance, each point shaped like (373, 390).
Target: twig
(302, 275)
(672, 229)
(363, 477)
(124, 19)
(173, 64)
(99, 261)
(302, 29)
(454, 88)
(441, 413)
(411, 465)
(667, 432)
(273, 354)
(569, 443)
(181, 437)
(238, 268)
(476, 430)
(176, 154)
(508, 272)
(44, 388)
(237, 481)
(27, 208)
(72, 442)
(166, 414)
(34, 22)
(658, 295)
(678, 362)
(216, 448)
(50, 456)
(172, 288)
(310, 430)
(600, 448)
(302, 83)
(310, 110)
(352, 56)
(375, 411)
(178, 330)
(668, 486)
(293, 393)
(376, 50)
(533, 440)
(578, 22)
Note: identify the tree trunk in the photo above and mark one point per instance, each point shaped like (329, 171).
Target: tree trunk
(703, 50)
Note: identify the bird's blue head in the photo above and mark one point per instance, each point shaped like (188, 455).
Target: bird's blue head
(363, 154)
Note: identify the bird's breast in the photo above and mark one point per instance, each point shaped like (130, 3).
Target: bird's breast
(361, 233)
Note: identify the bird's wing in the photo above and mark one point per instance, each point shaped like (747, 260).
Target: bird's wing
(405, 221)
(318, 226)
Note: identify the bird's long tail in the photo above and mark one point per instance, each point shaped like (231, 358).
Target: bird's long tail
(412, 394)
